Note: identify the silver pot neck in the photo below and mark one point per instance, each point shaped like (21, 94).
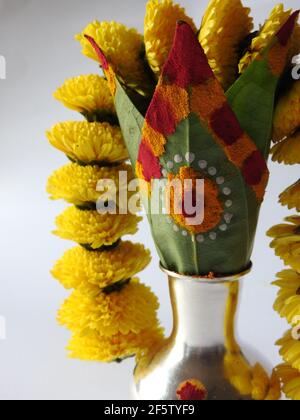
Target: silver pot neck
(203, 279)
(204, 310)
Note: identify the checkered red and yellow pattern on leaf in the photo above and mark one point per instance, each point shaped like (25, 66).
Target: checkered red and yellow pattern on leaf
(188, 85)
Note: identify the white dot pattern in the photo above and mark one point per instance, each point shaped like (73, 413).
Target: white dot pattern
(226, 191)
(220, 180)
(228, 217)
(200, 239)
(212, 171)
(178, 158)
(228, 203)
(203, 164)
(190, 157)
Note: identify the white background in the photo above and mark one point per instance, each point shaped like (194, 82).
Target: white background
(36, 37)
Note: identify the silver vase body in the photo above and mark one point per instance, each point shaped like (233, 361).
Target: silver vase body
(202, 350)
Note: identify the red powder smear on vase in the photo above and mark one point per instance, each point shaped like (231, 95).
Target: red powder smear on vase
(190, 392)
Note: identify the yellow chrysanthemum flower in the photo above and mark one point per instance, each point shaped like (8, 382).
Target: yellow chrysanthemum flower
(87, 94)
(264, 388)
(283, 230)
(94, 347)
(294, 219)
(130, 310)
(84, 185)
(250, 381)
(287, 151)
(287, 303)
(225, 25)
(276, 20)
(287, 241)
(291, 197)
(122, 46)
(160, 25)
(274, 392)
(93, 229)
(89, 143)
(290, 379)
(287, 114)
(90, 271)
(290, 350)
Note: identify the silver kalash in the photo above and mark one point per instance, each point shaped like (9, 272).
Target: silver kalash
(203, 338)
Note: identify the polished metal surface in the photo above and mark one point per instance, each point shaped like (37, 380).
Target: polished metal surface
(203, 344)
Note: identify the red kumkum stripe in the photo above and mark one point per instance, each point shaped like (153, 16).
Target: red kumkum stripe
(225, 124)
(286, 31)
(181, 67)
(99, 52)
(159, 115)
(149, 162)
(254, 168)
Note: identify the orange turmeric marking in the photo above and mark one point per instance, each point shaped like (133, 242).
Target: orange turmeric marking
(155, 140)
(111, 79)
(240, 150)
(277, 59)
(213, 208)
(210, 276)
(178, 100)
(260, 189)
(139, 170)
(206, 98)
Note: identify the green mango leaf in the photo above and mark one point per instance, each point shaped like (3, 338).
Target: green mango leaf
(131, 122)
(252, 96)
(252, 99)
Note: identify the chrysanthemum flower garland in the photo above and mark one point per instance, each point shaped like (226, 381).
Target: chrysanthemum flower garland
(286, 239)
(110, 313)
(246, 379)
